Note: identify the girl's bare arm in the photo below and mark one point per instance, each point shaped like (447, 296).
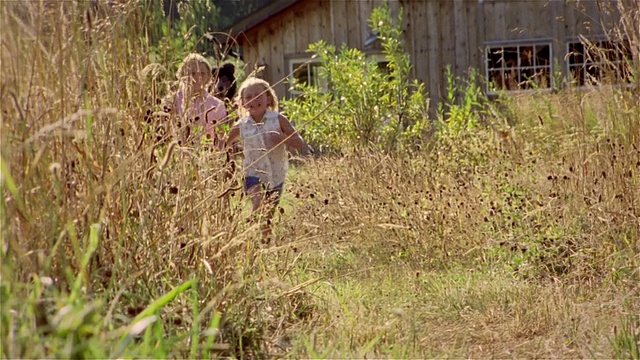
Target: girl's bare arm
(293, 138)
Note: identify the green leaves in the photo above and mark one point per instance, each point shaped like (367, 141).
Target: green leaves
(460, 113)
(172, 37)
(374, 103)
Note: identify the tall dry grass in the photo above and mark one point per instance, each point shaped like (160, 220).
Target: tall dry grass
(511, 241)
(81, 151)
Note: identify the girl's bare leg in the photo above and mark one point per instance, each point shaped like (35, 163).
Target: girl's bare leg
(256, 196)
(265, 229)
(270, 203)
(257, 199)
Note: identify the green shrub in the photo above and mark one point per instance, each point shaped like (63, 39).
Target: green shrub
(464, 105)
(368, 105)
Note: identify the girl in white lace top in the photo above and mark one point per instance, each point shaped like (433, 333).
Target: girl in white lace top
(264, 134)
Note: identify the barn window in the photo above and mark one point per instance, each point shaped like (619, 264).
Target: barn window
(518, 66)
(599, 61)
(306, 72)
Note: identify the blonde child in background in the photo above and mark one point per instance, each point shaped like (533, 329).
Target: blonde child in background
(192, 103)
(264, 133)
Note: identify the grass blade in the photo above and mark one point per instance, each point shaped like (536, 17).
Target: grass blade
(164, 300)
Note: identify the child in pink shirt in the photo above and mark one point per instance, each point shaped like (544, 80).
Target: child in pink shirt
(192, 103)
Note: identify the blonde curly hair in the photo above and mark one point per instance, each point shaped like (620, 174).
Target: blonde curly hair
(271, 94)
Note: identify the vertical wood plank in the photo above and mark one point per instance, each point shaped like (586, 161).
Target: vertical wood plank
(581, 18)
(250, 52)
(481, 38)
(366, 7)
(446, 33)
(276, 60)
(590, 18)
(289, 45)
(410, 33)
(605, 16)
(473, 34)
(353, 23)
(289, 37)
(264, 53)
(421, 34)
(569, 14)
(460, 34)
(324, 16)
(339, 27)
(313, 22)
(495, 23)
(559, 44)
(302, 28)
(512, 19)
(491, 17)
(433, 49)
(540, 23)
(609, 15)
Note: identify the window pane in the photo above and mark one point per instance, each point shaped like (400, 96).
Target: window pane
(593, 53)
(526, 78)
(510, 57)
(542, 78)
(383, 66)
(592, 74)
(577, 75)
(527, 56)
(301, 73)
(494, 58)
(576, 54)
(315, 74)
(319, 79)
(610, 51)
(542, 55)
(496, 80)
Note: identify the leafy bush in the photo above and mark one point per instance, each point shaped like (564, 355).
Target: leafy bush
(367, 105)
(464, 105)
(180, 31)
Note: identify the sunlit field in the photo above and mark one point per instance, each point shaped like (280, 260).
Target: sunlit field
(517, 238)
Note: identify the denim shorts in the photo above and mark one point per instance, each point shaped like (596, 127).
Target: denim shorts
(272, 194)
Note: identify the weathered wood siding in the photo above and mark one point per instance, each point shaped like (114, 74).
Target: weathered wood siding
(555, 21)
(288, 35)
(441, 34)
(588, 17)
(437, 33)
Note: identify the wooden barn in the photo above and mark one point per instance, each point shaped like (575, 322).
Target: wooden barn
(516, 45)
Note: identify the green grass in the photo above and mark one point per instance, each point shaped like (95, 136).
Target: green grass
(505, 241)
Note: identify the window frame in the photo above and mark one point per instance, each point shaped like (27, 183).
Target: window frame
(311, 64)
(587, 60)
(534, 67)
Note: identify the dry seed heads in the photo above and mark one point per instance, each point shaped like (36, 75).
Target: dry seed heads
(167, 156)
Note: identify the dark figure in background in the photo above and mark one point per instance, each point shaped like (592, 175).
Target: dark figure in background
(224, 82)
(223, 87)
